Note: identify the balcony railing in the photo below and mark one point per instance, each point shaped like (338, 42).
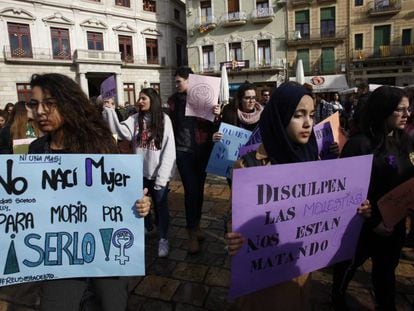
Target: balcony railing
(99, 56)
(35, 54)
(262, 15)
(383, 7)
(243, 66)
(319, 67)
(318, 35)
(300, 2)
(234, 19)
(206, 23)
(140, 60)
(235, 64)
(383, 51)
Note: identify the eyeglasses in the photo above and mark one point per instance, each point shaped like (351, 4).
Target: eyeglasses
(48, 104)
(249, 97)
(403, 111)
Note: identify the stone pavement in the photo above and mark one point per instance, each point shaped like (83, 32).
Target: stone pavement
(200, 282)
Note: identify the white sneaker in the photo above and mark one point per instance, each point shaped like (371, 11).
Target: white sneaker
(163, 248)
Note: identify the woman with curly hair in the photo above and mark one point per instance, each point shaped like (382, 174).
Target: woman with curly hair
(73, 125)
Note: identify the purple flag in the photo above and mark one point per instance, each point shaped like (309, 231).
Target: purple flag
(295, 218)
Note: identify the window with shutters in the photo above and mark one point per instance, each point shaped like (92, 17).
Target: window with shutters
(358, 41)
(125, 47)
(206, 12)
(208, 58)
(60, 43)
(303, 54)
(235, 51)
(328, 60)
(328, 22)
(302, 23)
(24, 92)
(152, 51)
(129, 93)
(20, 41)
(95, 41)
(150, 5)
(263, 52)
(123, 3)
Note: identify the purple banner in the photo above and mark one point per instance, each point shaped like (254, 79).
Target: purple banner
(295, 218)
(246, 149)
(324, 138)
(256, 138)
(108, 87)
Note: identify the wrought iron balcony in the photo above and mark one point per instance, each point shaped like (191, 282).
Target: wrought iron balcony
(382, 52)
(36, 54)
(262, 15)
(234, 19)
(205, 23)
(300, 2)
(383, 7)
(141, 60)
(317, 36)
(97, 56)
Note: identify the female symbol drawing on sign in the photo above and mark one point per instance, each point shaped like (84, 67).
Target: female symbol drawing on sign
(202, 98)
(122, 239)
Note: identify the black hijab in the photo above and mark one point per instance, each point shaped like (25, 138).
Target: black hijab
(274, 120)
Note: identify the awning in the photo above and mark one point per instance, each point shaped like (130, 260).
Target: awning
(328, 83)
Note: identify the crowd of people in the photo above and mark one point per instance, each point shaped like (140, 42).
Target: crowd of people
(64, 120)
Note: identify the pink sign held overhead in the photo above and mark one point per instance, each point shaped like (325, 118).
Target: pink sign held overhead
(295, 218)
(202, 95)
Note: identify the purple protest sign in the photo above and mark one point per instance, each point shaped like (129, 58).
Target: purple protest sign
(108, 87)
(324, 138)
(247, 148)
(295, 218)
(256, 138)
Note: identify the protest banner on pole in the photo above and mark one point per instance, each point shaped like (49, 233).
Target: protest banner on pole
(67, 215)
(295, 218)
(202, 95)
(226, 151)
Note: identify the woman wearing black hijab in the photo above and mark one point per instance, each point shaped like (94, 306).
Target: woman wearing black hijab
(287, 137)
(286, 127)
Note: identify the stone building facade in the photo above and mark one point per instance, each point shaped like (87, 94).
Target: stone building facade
(140, 42)
(382, 41)
(248, 37)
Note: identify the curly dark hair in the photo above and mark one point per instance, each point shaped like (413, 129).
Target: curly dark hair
(157, 118)
(84, 130)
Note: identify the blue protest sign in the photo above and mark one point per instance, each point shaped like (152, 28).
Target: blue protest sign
(226, 151)
(70, 216)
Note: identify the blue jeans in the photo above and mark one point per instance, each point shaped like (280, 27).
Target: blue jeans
(160, 201)
(192, 168)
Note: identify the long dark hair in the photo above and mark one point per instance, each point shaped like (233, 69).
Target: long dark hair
(18, 121)
(156, 127)
(84, 130)
(374, 114)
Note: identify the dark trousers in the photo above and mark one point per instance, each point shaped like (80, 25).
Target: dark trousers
(192, 168)
(160, 201)
(385, 254)
(66, 294)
